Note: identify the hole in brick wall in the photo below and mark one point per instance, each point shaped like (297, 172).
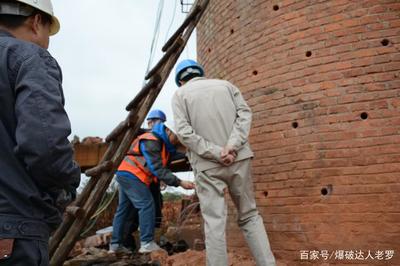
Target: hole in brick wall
(265, 193)
(232, 31)
(308, 53)
(364, 115)
(385, 42)
(275, 7)
(255, 72)
(295, 125)
(326, 190)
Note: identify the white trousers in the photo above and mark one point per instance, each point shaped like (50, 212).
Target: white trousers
(210, 186)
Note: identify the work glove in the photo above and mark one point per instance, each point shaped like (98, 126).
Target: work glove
(64, 198)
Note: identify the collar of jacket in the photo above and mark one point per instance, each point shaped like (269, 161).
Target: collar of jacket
(4, 33)
(159, 131)
(194, 79)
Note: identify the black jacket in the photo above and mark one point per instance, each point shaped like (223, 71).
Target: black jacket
(36, 158)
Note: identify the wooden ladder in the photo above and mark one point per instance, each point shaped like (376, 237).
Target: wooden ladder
(79, 212)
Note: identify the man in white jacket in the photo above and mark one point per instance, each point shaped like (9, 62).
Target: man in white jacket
(213, 121)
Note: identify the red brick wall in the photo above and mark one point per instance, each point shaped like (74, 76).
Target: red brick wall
(323, 81)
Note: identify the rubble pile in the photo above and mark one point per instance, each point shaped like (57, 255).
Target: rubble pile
(180, 237)
(100, 257)
(180, 233)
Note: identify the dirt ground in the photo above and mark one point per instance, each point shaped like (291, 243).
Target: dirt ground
(181, 227)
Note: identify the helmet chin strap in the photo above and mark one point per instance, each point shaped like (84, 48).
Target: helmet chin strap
(188, 71)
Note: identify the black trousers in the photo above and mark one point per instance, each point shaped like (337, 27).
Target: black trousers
(28, 252)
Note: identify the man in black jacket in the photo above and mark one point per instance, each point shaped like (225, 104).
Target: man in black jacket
(38, 176)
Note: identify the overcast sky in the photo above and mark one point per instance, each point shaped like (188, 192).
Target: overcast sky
(103, 48)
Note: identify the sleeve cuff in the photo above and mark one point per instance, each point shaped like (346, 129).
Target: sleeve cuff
(178, 182)
(217, 153)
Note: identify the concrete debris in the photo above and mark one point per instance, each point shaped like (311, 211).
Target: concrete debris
(101, 240)
(160, 256)
(101, 257)
(92, 256)
(97, 257)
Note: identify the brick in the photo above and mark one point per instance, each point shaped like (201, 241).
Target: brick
(374, 69)
(369, 19)
(391, 66)
(353, 72)
(350, 23)
(384, 77)
(377, 9)
(362, 62)
(343, 65)
(332, 93)
(383, 104)
(332, 27)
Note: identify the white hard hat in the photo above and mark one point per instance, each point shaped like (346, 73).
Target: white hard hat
(43, 5)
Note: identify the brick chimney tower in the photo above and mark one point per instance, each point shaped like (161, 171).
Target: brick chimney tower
(323, 81)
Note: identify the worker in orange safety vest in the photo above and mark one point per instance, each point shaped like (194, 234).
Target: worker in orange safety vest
(145, 163)
(131, 223)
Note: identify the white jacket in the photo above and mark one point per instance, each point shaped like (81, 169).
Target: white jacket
(210, 114)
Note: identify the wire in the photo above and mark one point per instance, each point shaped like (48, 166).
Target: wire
(172, 21)
(105, 203)
(88, 227)
(156, 34)
(187, 50)
(187, 47)
(183, 219)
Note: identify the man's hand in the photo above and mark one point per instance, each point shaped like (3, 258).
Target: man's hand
(228, 150)
(187, 184)
(228, 159)
(228, 155)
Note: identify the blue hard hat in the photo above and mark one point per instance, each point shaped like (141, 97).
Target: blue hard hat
(157, 114)
(185, 64)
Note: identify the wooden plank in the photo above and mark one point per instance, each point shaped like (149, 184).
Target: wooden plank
(97, 170)
(89, 155)
(117, 131)
(153, 83)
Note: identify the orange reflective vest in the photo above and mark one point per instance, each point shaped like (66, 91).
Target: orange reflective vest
(134, 162)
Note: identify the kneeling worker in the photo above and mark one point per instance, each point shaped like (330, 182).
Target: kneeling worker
(146, 162)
